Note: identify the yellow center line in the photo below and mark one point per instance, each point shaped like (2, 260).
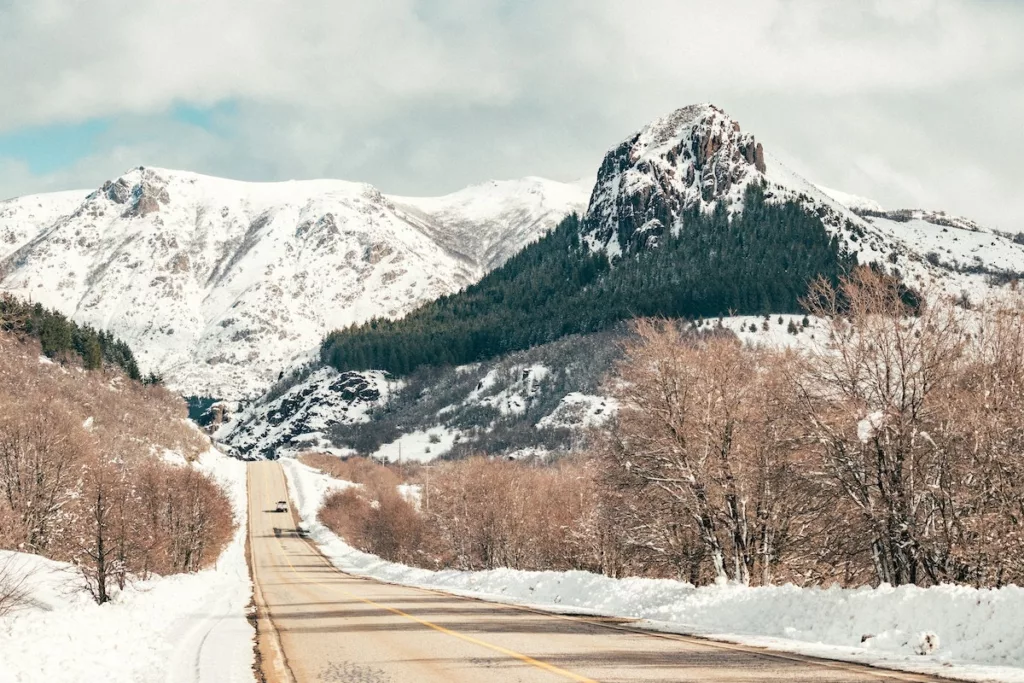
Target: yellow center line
(551, 668)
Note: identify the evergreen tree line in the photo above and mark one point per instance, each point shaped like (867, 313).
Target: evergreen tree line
(758, 261)
(61, 337)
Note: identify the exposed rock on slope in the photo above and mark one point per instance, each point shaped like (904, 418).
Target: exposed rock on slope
(299, 419)
(536, 401)
(219, 285)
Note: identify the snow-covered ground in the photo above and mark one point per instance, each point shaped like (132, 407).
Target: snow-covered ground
(176, 629)
(577, 409)
(421, 446)
(851, 201)
(974, 634)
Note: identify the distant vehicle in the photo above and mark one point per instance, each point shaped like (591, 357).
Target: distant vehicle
(302, 530)
(282, 506)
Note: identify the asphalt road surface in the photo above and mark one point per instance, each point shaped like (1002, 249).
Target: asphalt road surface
(317, 623)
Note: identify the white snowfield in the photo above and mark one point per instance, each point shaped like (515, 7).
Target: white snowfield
(186, 628)
(969, 634)
(220, 284)
(851, 201)
(23, 218)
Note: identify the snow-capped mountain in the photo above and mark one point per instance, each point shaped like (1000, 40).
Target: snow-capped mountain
(697, 157)
(693, 158)
(221, 285)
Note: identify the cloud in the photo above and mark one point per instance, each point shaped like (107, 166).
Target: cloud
(423, 97)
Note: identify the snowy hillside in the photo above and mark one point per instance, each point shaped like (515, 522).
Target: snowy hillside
(299, 419)
(491, 221)
(23, 218)
(527, 403)
(220, 285)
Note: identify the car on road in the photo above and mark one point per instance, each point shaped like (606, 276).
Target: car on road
(282, 506)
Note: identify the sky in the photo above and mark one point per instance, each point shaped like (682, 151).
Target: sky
(914, 103)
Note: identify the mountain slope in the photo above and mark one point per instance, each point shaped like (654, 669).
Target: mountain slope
(689, 217)
(220, 285)
(23, 218)
(490, 222)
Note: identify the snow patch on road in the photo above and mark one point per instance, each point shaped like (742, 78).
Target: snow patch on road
(946, 630)
(175, 629)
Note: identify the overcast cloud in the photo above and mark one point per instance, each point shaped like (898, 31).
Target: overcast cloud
(911, 102)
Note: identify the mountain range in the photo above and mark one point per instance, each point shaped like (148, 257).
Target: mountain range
(689, 216)
(221, 285)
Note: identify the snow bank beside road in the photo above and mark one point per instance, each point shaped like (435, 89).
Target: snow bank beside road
(187, 627)
(980, 633)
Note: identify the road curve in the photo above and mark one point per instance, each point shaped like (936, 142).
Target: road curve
(320, 624)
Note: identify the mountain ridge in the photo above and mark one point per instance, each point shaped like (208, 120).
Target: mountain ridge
(220, 285)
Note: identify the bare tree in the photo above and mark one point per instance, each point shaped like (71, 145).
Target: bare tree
(872, 398)
(695, 426)
(39, 449)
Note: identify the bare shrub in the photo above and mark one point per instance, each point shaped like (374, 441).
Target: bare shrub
(345, 512)
(475, 514)
(81, 480)
(376, 518)
(40, 446)
(13, 591)
(140, 517)
(875, 401)
(356, 469)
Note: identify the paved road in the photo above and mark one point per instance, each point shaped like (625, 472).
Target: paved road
(319, 624)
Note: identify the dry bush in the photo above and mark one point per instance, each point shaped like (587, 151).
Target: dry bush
(346, 512)
(976, 534)
(40, 447)
(475, 514)
(374, 517)
(889, 453)
(13, 592)
(356, 469)
(82, 480)
(139, 516)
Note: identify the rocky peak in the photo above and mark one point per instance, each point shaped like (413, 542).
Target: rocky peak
(695, 156)
(141, 190)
